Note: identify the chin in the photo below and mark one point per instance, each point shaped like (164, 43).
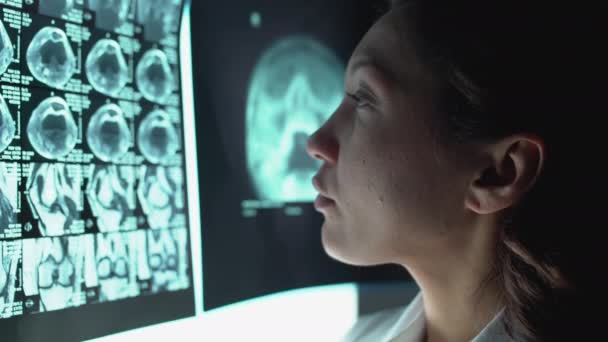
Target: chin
(337, 248)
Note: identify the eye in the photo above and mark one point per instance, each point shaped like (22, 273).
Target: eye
(360, 99)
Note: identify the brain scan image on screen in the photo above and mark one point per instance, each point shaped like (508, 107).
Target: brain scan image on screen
(157, 138)
(54, 195)
(106, 67)
(6, 49)
(111, 196)
(50, 58)
(159, 17)
(154, 77)
(8, 198)
(167, 259)
(115, 262)
(51, 129)
(108, 134)
(295, 87)
(161, 194)
(7, 125)
(8, 279)
(109, 14)
(53, 269)
(55, 8)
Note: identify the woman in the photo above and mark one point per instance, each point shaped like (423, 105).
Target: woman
(463, 150)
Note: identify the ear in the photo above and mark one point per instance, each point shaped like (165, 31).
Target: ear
(511, 169)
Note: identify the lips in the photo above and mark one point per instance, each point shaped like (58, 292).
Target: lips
(323, 200)
(316, 183)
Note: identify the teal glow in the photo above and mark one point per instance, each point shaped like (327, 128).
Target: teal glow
(295, 87)
(255, 19)
(189, 125)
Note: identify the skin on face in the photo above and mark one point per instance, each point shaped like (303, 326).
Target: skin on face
(397, 193)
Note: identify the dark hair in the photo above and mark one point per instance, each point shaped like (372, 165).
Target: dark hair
(522, 67)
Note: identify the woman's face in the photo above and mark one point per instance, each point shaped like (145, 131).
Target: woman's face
(396, 193)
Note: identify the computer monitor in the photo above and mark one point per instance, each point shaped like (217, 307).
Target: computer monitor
(97, 217)
(268, 74)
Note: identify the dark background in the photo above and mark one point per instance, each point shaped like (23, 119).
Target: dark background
(244, 257)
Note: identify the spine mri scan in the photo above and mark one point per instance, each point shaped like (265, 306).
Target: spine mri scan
(92, 177)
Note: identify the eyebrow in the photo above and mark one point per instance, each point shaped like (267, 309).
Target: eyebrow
(380, 77)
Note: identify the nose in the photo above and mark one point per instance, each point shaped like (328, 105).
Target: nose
(323, 145)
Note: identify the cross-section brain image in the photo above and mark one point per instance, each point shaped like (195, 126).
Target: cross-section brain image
(167, 259)
(6, 49)
(111, 196)
(116, 265)
(106, 67)
(8, 196)
(9, 260)
(108, 133)
(53, 269)
(157, 138)
(159, 17)
(52, 130)
(154, 77)
(7, 125)
(161, 194)
(55, 8)
(54, 194)
(50, 57)
(109, 14)
(295, 87)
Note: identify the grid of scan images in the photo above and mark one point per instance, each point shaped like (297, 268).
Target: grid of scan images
(92, 187)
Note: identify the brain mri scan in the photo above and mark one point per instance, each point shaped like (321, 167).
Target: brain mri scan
(9, 261)
(8, 196)
(159, 17)
(294, 88)
(108, 134)
(51, 129)
(111, 196)
(6, 49)
(161, 194)
(50, 57)
(154, 77)
(106, 67)
(55, 8)
(7, 125)
(109, 14)
(53, 269)
(54, 196)
(167, 261)
(157, 138)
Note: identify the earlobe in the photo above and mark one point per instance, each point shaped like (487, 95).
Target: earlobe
(512, 171)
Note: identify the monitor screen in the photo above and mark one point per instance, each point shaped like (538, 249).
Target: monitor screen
(268, 74)
(95, 233)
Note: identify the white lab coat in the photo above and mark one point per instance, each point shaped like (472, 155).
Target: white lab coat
(406, 324)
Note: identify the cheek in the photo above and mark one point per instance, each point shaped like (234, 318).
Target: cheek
(390, 200)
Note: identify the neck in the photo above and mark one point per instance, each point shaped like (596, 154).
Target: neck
(459, 314)
(460, 295)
